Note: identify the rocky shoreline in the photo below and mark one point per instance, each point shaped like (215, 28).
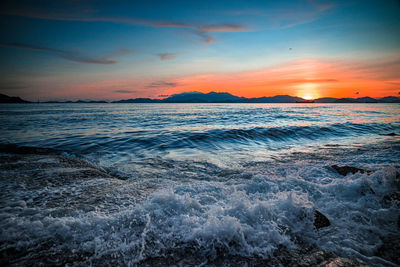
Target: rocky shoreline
(38, 168)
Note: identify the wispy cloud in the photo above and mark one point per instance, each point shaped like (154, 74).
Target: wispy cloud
(166, 56)
(223, 28)
(207, 39)
(125, 91)
(394, 83)
(290, 16)
(158, 84)
(69, 55)
(319, 78)
(200, 30)
(321, 5)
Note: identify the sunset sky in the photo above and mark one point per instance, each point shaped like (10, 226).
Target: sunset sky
(56, 50)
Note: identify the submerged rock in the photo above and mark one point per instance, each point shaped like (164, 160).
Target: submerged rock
(397, 180)
(390, 134)
(393, 198)
(326, 258)
(320, 220)
(390, 249)
(344, 170)
(398, 222)
(16, 149)
(301, 257)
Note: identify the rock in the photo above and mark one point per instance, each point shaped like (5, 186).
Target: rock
(301, 257)
(397, 180)
(326, 258)
(16, 149)
(320, 220)
(390, 134)
(390, 249)
(398, 222)
(344, 170)
(393, 198)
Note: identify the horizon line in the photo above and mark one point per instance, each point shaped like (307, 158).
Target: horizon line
(161, 99)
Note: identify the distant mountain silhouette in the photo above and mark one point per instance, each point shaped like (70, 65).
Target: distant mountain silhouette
(90, 101)
(326, 100)
(11, 99)
(138, 100)
(356, 100)
(276, 99)
(390, 99)
(214, 97)
(78, 101)
(197, 97)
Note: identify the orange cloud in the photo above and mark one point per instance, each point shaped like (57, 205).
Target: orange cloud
(310, 78)
(223, 28)
(306, 77)
(200, 30)
(166, 56)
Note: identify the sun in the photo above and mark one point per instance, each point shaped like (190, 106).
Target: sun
(307, 91)
(308, 97)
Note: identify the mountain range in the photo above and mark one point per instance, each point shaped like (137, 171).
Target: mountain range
(11, 99)
(214, 97)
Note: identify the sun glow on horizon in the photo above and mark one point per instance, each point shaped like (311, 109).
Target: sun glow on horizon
(308, 97)
(308, 91)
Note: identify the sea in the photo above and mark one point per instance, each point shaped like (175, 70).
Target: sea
(201, 181)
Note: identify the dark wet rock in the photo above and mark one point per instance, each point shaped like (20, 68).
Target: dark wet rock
(390, 134)
(370, 190)
(38, 170)
(326, 258)
(398, 222)
(344, 170)
(390, 249)
(46, 255)
(320, 220)
(301, 257)
(393, 198)
(61, 181)
(49, 171)
(58, 185)
(16, 149)
(397, 180)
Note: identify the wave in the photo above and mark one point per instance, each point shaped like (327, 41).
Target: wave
(279, 137)
(99, 220)
(268, 135)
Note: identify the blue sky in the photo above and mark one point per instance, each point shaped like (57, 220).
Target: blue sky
(99, 49)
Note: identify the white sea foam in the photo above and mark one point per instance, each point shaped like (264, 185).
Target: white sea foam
(250, 212)
(199, 180)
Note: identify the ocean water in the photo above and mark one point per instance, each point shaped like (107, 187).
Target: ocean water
(204, 179)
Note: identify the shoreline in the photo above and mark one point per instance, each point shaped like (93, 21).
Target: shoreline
(39, 168)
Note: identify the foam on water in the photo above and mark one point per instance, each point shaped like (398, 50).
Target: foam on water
(251, 211)
(199, 181)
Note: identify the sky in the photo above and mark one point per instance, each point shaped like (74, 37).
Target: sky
(110, 50)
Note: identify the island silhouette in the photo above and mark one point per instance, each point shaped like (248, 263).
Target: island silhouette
(216, 97)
